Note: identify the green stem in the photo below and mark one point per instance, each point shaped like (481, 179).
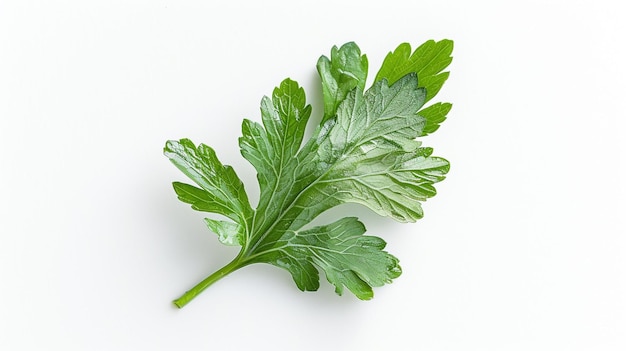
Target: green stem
(219, 274)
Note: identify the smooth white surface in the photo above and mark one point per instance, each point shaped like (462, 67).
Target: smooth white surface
(523, 248)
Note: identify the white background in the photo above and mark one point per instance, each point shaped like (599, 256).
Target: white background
(523, 248)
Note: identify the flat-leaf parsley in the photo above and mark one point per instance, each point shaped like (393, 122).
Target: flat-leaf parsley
(363, 151)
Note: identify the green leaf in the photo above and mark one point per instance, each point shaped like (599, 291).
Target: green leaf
(372, 156)
(427, 61)
(346, 256)
(434, 114)
(271, 149)
(221, 190)
(363, 151)
(345, 70)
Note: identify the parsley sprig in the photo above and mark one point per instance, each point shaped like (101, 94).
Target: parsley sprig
(365, 150)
